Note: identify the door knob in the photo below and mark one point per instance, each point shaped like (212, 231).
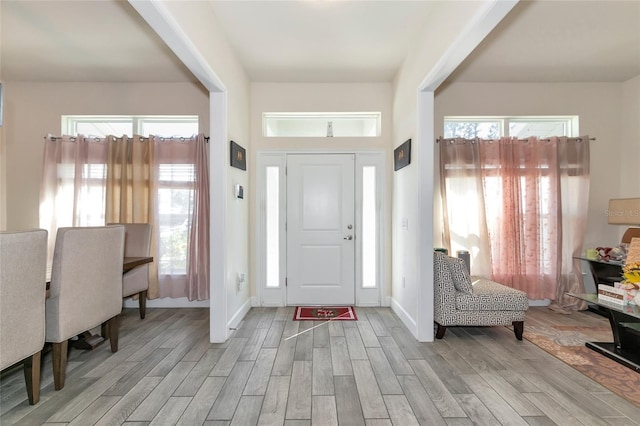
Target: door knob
(348, 237)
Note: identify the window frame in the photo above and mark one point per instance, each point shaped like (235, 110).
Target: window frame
(571, 122)
(324, 117)
(69, 125)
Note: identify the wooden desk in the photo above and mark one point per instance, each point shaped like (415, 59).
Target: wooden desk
(128, 263)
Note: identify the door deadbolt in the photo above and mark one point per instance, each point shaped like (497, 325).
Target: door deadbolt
(349, 226)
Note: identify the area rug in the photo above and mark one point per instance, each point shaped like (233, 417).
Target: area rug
(324, 313)
(567, 344)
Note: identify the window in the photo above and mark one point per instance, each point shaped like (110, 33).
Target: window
(176, 181)
(117, 125)
(369, 227)
(520, 127)
(273, 225)
(321, 124)
(475, 181)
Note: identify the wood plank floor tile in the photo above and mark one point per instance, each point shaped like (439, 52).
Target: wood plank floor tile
(228, 359)
(259, 377)
(95, 411)
(148, 409)
(399, 410)
(366, 372)
(354, 343)
(227, 401)
(387, 380)
(323, 411)
(369, 337)
(395, 357)
(191, 384)
(200, 405)
(129, 402)
(274, 405)
(248, 411)
(340, 362)
(171, 411)
(438, 392)
(322, 373)
(299, 402)
(370, 397)
(476, 410)
(348, 404)
(423, 407)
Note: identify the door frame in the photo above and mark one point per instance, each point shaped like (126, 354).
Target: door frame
(364, 296)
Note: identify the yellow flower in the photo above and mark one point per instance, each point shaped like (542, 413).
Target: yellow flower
(631, 272)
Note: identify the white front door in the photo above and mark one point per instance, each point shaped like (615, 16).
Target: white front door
(320, 229)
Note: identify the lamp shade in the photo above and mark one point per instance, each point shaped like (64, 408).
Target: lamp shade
(624, 211)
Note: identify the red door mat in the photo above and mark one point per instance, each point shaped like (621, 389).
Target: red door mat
(324, 313)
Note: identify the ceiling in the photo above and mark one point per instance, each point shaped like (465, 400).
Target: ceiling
(320, 41)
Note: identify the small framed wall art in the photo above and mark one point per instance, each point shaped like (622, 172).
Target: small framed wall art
(402, 155)
(238, 156)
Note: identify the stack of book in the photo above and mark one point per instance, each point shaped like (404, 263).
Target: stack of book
(610, 294)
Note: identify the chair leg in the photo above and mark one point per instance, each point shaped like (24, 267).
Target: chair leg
(518, 329)
(440, 331)
(32, 377)
(112, 327)
(142, 300)
(59, 363)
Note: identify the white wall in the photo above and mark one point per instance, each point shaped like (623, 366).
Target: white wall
(197, 22)
(629, 140)
(605, 112)
(439, 34)
(319, 97)
(34, 109)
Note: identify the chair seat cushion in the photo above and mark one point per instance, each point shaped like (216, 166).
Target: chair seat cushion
(488, 295)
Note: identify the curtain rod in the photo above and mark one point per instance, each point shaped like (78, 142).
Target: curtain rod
(162, 138)
(440, 138)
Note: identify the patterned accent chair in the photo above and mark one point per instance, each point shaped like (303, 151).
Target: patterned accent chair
(461, 300)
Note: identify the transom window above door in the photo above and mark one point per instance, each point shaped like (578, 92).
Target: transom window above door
(321, 124)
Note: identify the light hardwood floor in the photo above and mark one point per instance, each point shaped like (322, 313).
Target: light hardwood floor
(369, 372)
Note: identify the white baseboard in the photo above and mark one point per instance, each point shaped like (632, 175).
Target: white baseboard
(169, 302)
(239, 315)
(406, 319)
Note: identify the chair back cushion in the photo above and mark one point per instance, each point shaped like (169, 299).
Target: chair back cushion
(459, 275)
(23, 265)
(444, 290)
(86, 280)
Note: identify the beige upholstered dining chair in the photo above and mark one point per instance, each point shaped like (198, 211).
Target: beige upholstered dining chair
(85, 290)
(23, 266)
(137, 244)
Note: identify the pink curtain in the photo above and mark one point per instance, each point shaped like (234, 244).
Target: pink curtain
(72, 192)
(162, 181)
(529, 192)
(198, 263)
